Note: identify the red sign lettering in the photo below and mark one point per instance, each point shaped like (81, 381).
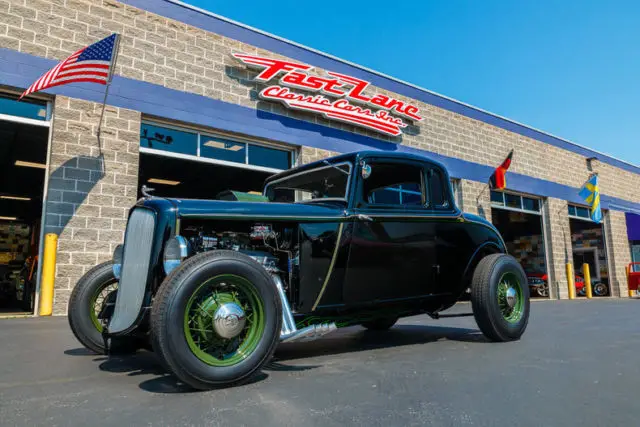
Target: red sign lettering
(373, 112)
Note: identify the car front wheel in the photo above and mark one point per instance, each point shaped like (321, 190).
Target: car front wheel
(90, 306)
(216, 319)
(500, 298)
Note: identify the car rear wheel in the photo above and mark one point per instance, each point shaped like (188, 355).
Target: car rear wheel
(216, 320)
(90, 306)
(500, 298)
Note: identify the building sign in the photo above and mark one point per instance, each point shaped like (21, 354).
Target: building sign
(338, 96)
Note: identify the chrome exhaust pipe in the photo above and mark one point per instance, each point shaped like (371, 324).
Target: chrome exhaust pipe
(289, 331)
(309, 333)
(288, 324)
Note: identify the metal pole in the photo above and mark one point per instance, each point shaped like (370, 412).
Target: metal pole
(571, 281)
(112, 68)
(587, 279)
(48, 274)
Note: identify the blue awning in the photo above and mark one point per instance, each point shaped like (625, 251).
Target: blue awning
(633, 226)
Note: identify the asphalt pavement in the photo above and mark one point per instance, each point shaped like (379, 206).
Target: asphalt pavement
(576, 365)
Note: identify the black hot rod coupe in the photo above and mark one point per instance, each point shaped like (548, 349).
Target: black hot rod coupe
(212, 286)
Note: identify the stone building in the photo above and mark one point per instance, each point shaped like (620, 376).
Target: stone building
(190, 113)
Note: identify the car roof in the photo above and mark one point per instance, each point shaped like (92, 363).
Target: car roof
(354, 157)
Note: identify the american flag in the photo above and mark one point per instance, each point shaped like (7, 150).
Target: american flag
(91, 64)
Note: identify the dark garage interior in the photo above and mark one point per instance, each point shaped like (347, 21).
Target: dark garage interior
(174, 177)
(23, 149)
(523, 236)
(587, 244)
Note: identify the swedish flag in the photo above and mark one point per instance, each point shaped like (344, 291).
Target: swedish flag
(590, 192)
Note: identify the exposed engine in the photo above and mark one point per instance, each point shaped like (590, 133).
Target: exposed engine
(275, 249)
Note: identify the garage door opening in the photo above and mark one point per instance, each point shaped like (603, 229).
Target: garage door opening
(186, 163)
(23, 156)
(173, 177)
(587, 244)
(519, 220)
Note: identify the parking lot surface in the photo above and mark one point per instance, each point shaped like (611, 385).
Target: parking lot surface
(577, 364)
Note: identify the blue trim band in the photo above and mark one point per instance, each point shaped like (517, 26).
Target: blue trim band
(20, 70)
(228, 29)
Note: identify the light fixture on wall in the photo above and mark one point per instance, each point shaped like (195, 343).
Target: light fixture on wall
(589, 163)
(8, 218)
(30, 164)
(163, 181)
(25, 199)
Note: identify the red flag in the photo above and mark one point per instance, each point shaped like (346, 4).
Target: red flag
(498, 180)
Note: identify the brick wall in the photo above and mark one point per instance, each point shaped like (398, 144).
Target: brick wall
(557, 233)
(618, 251)
(85, 206)
(476, 198)
(175, 55)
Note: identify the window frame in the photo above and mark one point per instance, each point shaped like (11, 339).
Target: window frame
(521, 196)
(576, 216)
(346, 198)
(202, 132)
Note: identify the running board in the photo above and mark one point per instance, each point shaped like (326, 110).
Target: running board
(439, 316)
(289, 331)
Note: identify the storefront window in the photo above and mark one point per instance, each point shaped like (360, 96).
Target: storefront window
(269, 157)
(166, 139)
(530, 204)
(28, 109)
(579, 212)
(210, 146)
(221, 149)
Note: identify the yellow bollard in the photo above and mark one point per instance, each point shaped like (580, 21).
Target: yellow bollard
(587, 279)
(48, 274)
(571, 281)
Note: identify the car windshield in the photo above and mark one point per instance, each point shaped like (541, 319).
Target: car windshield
(328, 182)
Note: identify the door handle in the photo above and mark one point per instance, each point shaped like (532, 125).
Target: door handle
(365, 217)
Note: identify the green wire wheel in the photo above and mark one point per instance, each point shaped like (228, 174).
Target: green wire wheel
(500, 297)
(510, 298)
(224, 320)
(104, 294)
(216, 319)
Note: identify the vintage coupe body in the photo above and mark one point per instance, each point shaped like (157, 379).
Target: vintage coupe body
(212, 286)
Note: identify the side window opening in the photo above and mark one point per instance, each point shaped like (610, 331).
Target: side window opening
(394, 185)
(439, 196)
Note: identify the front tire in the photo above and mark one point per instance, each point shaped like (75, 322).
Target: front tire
(500, 297)
(217, 319)
(87, 305)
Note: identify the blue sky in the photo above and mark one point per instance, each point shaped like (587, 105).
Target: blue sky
(567, 68)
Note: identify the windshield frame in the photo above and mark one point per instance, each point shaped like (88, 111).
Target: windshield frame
(311, 170)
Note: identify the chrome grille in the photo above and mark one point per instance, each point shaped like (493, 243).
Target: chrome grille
(138, 241)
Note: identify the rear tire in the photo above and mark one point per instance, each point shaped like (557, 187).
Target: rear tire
(84, 324)
(186, 304)
(496, 277)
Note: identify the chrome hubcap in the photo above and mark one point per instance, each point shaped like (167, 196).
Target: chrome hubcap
(229, 320)
(512, 297)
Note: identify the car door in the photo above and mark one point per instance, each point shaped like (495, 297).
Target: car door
(392, 246)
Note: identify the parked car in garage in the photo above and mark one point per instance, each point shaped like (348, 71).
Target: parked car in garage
(213, 286)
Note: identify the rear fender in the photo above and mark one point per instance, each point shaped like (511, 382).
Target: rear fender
(485, 249)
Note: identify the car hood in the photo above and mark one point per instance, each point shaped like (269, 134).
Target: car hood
(226, 209)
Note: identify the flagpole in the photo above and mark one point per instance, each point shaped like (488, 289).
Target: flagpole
(112, 68)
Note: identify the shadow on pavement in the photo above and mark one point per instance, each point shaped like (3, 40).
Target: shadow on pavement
(348, 340)
(363, 340)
